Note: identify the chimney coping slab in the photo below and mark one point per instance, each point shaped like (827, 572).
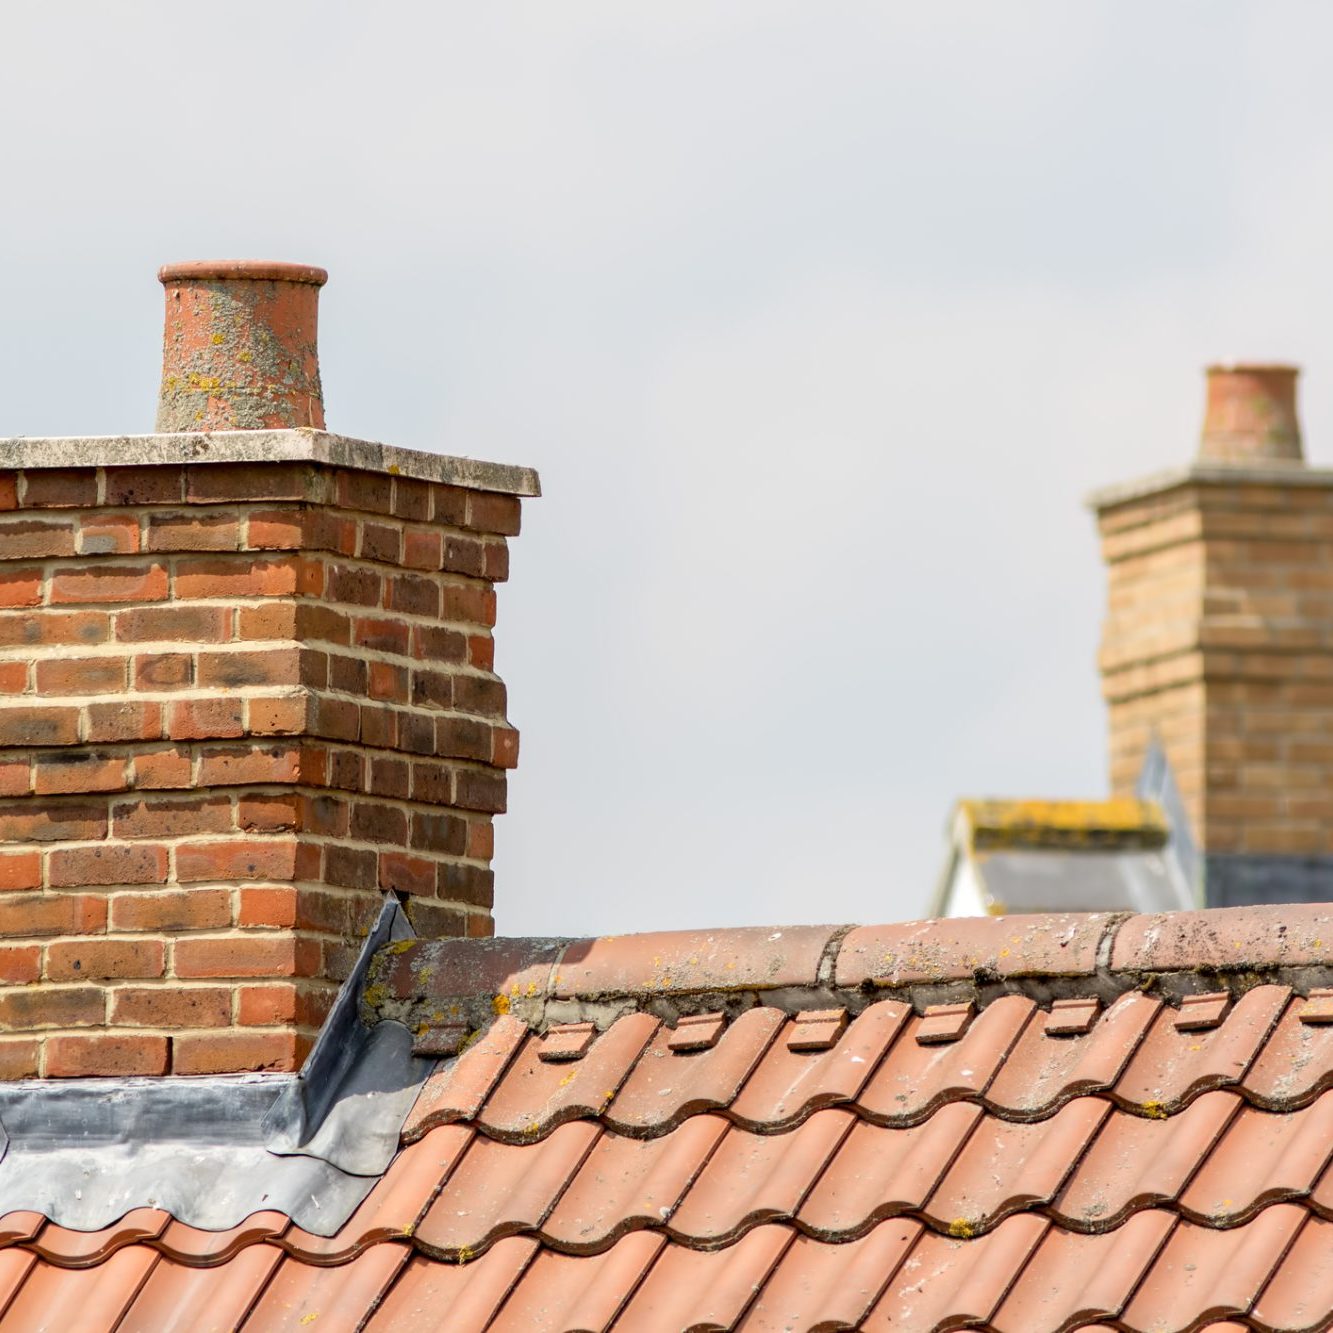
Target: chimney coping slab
(1220, 474)
(301, 445)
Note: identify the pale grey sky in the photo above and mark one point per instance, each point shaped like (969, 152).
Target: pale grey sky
(818, 320)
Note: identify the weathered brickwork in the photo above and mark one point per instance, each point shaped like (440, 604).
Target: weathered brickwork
(237, 704)
(1219, 640)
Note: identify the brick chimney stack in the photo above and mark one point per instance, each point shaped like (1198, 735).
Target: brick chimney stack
(1217, 640)
(246, 689)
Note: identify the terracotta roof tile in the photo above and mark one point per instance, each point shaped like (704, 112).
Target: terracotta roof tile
(788, 1084)
(667, 1084)
(1171, 1066)
(914, 1079)
(499, 1189)
(470, 1294)
(688, 1288)
(1129, 1172)
(335, 1299)
(185, 1298)
(1076, 1277)
(1206, 1273)
(537, 1094)
(1042, 1070)
(946, 1282)
(830, 1286)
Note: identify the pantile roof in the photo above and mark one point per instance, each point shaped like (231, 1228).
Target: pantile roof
(1019, 1124)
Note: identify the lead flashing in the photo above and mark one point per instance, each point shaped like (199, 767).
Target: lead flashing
(304, 445)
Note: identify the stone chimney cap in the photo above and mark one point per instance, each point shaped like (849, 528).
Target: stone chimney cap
(255, 270)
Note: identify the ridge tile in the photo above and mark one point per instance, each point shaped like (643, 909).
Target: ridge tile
(744, 958)
(959, 948)
(1225, 939)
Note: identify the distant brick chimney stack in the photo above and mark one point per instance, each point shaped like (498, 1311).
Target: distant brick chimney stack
(247, 688)
(1218, 635)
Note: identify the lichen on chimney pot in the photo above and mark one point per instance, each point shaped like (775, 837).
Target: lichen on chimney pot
(239, 350)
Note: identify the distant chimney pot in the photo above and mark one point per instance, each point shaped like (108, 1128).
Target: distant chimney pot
(239, 349)
(1251, 415)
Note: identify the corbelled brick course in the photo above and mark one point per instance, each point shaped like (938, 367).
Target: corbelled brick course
(238, 704)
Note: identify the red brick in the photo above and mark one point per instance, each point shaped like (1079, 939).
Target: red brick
(242, 667)
(116, 863)
(68, 488)
(441, 831)
(109, 534)
(449, 505)
(463, 738)
(468, 603)
(15, 777)
(267, 1006)
(194, 531)
(52, 821)
(13, 677)
(406, 874)
(170, 816)
(162, 769)
(278, 530)
(237, 956)
(20, 964)
(484, 695)
(349, 675)
(282, 715)
(493, 513)
(84, 1057)
(174, 624)
(241, 858)
(413, 594)
(367, 491)
(205, 719)
(242, 767)
(382, 542)
(59, 627)
(481, 839)
(172, 910)
(21, 587)
(103, 959)
(356, 584)
(252, 481)
(35, 538)
(70, 771)
(51, 914)
(267, 906)
(9, 495)
(481, 652)
(20, 1057)
(387, 681)
(269, 812)
(411, 498)
(423, 548)
(171, 1006)
(109, 583)
(81, 675)
(476, 789)
(464, 555)
(460, 883)
(504, 751)
(122, 721)
(163, 671)
(20, 870)
(52, 1007)
(275, 620)
(145, 485)
(240, 576)
(382, 636)
(238, 1052)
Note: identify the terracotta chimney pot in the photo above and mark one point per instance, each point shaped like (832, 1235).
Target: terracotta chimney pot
(1251, 415)
(239, 349)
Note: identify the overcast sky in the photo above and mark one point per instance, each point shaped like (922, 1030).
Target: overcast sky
(818, 320)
